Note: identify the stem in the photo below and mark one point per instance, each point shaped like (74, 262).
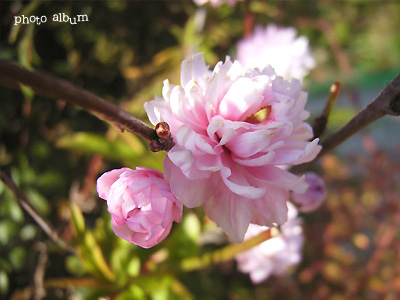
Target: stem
(23, 201)
(386, 103)
(248, 20)
(221, 255)
(47, 85)
(40, 270)
(84, 282)
(320, 122)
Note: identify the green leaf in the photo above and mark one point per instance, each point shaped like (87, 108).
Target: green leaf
(7, 231)
(4, 282)
(92, 256)
(74, 265)
(78, 221)
(90, 144)
(17, 257)
(28, 232)
(192, 227)
(10, 208)
(132, 292)
(89, 250)
(27, 92)
(157, 286)
(38, 202)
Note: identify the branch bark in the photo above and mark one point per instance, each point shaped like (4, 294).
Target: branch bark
(386, 103)
(55, 88)
(23, 201)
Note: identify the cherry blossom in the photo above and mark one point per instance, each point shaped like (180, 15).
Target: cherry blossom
(233, 129)
(276, 255)
(216, 3)
(276, 46)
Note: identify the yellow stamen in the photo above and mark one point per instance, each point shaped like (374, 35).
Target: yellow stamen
(260, 116)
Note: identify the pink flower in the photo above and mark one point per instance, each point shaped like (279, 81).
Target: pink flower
(275, 255)
(216, 3)
(141, 204)
(278, 47)
(232, 127)
(314, 196)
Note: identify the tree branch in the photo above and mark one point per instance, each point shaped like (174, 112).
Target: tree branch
(319, 125)
(386, 103)
(55, 88)
(23, 201)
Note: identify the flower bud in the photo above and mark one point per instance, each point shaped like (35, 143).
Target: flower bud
(141, 204)
(162, 130)
(314, 196)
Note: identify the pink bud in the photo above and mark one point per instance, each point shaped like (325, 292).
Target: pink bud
(314, 196)
(141, 204)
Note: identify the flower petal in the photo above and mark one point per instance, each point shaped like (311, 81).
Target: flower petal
(105, 181)
(229, 211)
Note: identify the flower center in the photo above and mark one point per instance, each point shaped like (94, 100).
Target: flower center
(260, 116)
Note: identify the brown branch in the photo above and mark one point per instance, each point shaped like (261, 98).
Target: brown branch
(24, 202)
(386, 103)
(38, 290)
(55, 88)
(248, 20)
(320, 122)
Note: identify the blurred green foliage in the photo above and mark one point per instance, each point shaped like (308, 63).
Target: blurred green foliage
(123, 53)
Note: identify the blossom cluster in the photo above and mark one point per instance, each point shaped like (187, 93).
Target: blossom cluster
(233, 129)
(276, 255)
(279, 47)
(216, 3)
(237, 130)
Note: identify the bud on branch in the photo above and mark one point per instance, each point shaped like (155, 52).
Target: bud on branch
(55, 88)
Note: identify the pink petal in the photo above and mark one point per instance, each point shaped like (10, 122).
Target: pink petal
(276, 177)
(105, 181)
(229, 211)
(244, 95)
(194, 68)
(271, 208)
(199, 191)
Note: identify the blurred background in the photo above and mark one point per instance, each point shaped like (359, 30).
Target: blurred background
(55, 151)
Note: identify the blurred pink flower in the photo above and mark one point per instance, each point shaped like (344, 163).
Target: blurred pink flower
(232, 127)
(278, 47)
(275, 255)
(314, 196)
(141, 204)
(216, 3)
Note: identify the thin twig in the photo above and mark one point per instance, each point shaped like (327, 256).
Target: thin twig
(320, 122)
(38, 290)
(23, 201)
(55, 88)
(222, 255)
(386, 103)
(248, 20)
